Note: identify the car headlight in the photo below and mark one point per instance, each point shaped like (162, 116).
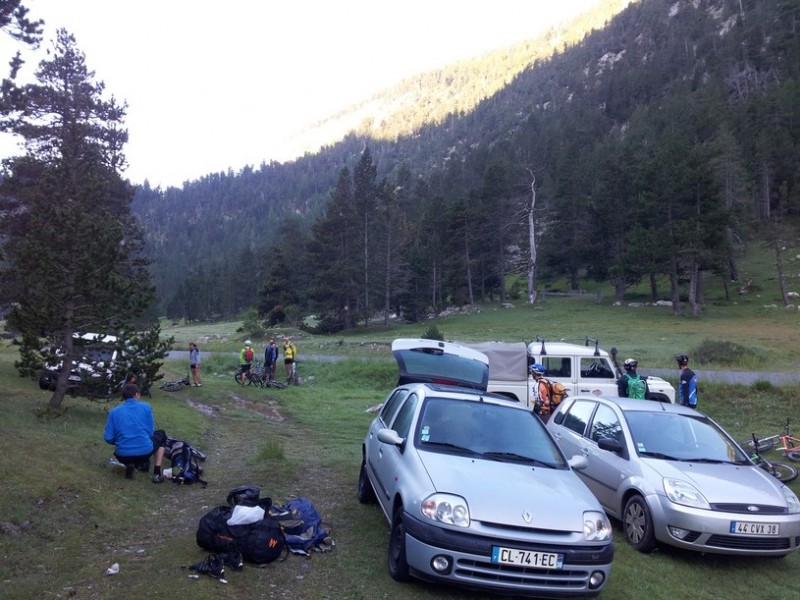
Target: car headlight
(792, 503)
(446, 508)
(596, 526)
(681, 492)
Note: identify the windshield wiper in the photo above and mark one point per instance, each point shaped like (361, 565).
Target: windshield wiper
(519, 457)
(658, 455)
(711, 461)
(452, 447)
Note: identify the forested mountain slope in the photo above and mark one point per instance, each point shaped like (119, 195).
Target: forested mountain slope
(655, 142)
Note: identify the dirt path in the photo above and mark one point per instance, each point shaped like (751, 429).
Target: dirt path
(239, 430)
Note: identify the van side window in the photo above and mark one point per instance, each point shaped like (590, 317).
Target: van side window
(557, 366)
(596, 368)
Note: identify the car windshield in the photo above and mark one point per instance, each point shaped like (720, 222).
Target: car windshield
(672, 436)
(487, 431)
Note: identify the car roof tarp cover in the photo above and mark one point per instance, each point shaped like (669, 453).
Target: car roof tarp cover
(508, 361)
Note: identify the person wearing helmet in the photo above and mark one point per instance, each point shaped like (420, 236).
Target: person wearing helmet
(540, 391)
(687, 387)
(246, 360)
(631, 384)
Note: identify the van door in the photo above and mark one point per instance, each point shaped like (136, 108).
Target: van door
(596, 376)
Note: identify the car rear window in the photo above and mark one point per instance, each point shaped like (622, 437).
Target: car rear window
(430, 366)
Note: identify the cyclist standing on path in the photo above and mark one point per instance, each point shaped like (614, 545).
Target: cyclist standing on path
(246, 360)
(194, 364)
(631, 384)
(270, 359)
(687, 387)
(541, 392)
(289, 357)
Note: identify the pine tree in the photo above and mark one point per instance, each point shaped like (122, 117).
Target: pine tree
(72, 249)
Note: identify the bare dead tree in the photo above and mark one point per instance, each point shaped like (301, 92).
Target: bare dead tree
(532, 239)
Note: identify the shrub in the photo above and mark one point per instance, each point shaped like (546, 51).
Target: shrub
(433, 333)
(723, 353)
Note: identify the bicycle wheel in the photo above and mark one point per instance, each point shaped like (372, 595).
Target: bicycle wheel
(172, 386)
(764, 444)
(276, 384)
(793, 455)
(782, 471)
(239, 377)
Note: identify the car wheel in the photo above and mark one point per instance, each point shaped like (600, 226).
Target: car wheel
(638, 524)
(46, 383)
(366, 494)
(398, 565)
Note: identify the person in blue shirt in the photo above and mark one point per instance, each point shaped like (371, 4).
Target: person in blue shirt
(687, 388)
(270, 358)
(131, 427)
(194, 364)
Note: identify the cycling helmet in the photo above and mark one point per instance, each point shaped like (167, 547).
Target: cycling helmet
(247, 342)
(537, 369)
(682, 359)
(630, 363)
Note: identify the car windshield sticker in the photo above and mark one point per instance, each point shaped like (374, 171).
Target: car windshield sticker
(425, 434)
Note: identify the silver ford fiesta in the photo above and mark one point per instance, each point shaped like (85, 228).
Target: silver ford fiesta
(475, 490)
(672, 475)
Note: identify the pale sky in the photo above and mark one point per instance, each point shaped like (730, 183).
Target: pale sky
(216, 85)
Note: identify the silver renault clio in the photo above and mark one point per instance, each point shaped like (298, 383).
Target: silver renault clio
(672, 475)
(476, 491)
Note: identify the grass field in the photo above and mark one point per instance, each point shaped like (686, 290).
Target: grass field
(67, 516)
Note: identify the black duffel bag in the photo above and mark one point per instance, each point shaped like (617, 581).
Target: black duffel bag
(260, 542)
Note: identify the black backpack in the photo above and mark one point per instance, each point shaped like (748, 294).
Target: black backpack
(259, 543)
(185, 467)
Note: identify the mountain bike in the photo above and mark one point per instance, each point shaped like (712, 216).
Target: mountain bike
(174, 386)
(779, 470)
(268, 379)
(253, 376)
(274, 383)
(790, 445)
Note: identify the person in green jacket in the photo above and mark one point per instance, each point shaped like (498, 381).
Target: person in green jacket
(246, 357)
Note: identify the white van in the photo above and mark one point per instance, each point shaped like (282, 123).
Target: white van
(97, 356)
(583, 369)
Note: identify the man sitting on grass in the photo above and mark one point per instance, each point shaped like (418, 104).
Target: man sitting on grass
(131, 427)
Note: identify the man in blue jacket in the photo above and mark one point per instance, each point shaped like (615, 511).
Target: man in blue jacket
(131, 427)
(687, 388)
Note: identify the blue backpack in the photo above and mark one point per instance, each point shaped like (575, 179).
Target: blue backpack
(302, 526)
(185, 468)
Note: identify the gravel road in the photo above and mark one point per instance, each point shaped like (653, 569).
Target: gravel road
(730, 377)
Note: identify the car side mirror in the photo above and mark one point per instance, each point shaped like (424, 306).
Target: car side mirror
(389, 436)
(578, 462)
(610, 444)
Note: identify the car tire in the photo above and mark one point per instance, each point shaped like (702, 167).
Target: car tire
(366, 495)
(638, 525)
(398, 564)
